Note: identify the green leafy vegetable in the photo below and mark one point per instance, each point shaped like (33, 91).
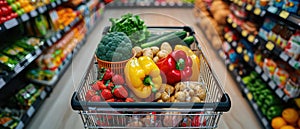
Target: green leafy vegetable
(132, 26)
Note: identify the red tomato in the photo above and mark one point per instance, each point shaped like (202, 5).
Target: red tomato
(2, 19)
(14, 15)
(4, 11)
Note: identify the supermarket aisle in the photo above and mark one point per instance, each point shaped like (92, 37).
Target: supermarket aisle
(56, 112)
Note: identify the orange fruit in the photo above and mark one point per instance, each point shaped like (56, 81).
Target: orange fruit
(287, 127)
(290, 115)
(278, 122)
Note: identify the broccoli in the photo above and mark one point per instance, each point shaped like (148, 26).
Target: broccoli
(114, 46)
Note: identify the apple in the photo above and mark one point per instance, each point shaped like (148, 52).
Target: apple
(8, 17)
(10, 1)
(19, 12)
(2, 19)
(4, 11)
(1, 3)
(14, 15)
(1, 13)
(9, 10)
(14, 7)
(18, 4)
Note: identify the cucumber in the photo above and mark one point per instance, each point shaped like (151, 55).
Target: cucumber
(156, 36)
(175, 37)
(189, 40)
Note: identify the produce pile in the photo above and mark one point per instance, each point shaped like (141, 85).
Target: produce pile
(159, 68)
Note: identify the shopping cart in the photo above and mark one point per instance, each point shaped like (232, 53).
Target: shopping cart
(180, 114)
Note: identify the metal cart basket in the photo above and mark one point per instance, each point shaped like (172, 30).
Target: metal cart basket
(129, 115)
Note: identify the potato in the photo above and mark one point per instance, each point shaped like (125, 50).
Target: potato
(166, 46)
(169, 89)
(148, 53)
(165, 96)
(160, 101)
(155, 59)
(154, 50)
(195, 99)
(158, 95)
(138, 51)
(172, 98)
(162, 54)
(180, 96)
(201, 94)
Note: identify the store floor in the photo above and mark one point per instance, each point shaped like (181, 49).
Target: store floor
(56, 111)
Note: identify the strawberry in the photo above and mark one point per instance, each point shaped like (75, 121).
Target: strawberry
(110, 100)
(101, 123)
(120, 92)
(101, 85)
(129, 100)
(118, 79)
(119, 100)
(95, 86)
(107, 75)
(110, 85)
(89, 94)
(96, 98)
(106, 94)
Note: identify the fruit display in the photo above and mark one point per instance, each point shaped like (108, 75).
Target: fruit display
(6, 12)
(289, 119)
(62, 17)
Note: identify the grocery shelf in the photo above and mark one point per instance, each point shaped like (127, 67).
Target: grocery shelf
(248, 96)
(33, 55)
(27, 115)
(277, 51)
(290, 17)
(251, 38)
(25, 17)
(142, 4)
(265, 77)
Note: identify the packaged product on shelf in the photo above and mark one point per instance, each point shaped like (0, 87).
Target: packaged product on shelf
(266, 28)
(292, 87)
(291, 6)
(280, 77)
(62, 17)
(269, 67)
(279, 3)
(15, 52)
(273, 35)
(8, 122)
(293, 46)
(284, 36)
(7, 63)
(28, 95)
(40, 74)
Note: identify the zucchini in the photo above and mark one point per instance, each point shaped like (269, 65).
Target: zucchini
(156, 36)
(175, 37)
(189, 40)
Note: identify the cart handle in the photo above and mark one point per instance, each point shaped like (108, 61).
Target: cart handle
(222, 106)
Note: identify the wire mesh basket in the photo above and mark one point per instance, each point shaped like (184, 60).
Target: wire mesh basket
(155, 114)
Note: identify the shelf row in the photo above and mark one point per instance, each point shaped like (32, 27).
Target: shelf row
(293, 18)
(268, 45)
(248, 95)
(264, 76)
(25, 17)
(32, 56)
(137, 3)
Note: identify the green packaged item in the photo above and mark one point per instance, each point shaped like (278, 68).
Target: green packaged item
(7, 62)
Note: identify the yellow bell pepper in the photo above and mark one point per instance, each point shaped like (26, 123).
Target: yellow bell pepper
(142, 76)
(195, 59)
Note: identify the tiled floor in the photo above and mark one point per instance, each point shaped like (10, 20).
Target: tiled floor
(56, 111)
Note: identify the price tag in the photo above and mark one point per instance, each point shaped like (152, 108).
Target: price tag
(270, 46)
(53, 38)
(28, 56)
(33, 13)
(293, 62)
(229, 20)
(251, 38)
(58, 2)
(246, 90)
(249, 96)
(272, 9)
(265, 122)
(231, 67)
(286, 98)
(24, 17)
(49, 43)
(255, 106)
(264, 77)
(257, 11)
(249, 7)
(41, 10)
(11, 23)
(256, 41)
(2, 83)
(17, 68)
(240, 3)
(238, 79)
(258, 69)
(58, 35)
(43, 95)
(279, 92)
(239, 49)
(284, 14)
(246, 58)
(30, 111)
(53, 4)
(67, 28)
(284, 56)
(20, 125)
(234, 25)
(244, 33)
(272, 85)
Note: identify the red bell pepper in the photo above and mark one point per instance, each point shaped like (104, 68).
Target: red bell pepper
(176, 67)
